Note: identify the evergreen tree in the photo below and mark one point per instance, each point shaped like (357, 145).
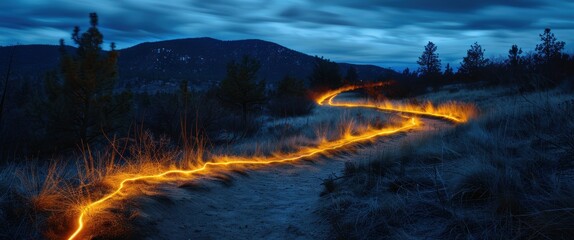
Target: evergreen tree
(325, 74)
(514, 68)
(514, 56)
(240, 88)
(290, 99)
(5, 86)
(406, 72)
(550, 61)
(185, 95)
(290, 86)
(474, 62)
(81, 105)
(352, 76)
(429, 62)
(448, 73)
(550, 48)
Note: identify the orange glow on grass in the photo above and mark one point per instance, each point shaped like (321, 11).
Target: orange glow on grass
(304, 152)
(452, 111)
(333, 93)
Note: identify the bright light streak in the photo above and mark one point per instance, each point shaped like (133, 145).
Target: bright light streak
(455, 112)
(305, 152)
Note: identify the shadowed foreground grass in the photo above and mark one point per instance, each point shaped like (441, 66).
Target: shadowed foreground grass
(507, 175)
(40, 199)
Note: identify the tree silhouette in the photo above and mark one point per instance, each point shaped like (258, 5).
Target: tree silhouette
(290, 86)
(240, 88)
(429, 63)
(5, 85)
(352, 76)
(550, 48)
(290, 99)
(474, 62)
(407, 73)
(448, 73)
(81, 104)
(325, 74)
(514, 58)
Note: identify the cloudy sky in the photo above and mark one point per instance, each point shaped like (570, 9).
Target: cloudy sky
(388, 33)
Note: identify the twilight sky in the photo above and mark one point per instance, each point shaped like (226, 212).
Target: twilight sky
(388, 33)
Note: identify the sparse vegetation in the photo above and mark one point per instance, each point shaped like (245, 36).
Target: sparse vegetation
(473, 65)
(240, 89)
(81, 107)
(291, 98)
(352, 76)
(504, 175)
(325, 75)
(5, 87)
(429, 64)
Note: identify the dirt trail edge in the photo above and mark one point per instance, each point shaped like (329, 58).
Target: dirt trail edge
(274, 202)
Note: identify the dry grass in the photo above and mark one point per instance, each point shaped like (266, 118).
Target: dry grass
(507, 175)
(326, 124)
(43, 200)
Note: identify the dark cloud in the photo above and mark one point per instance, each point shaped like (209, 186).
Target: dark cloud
(443, 5)
(515, 24)
(314, 16)
(382, 32)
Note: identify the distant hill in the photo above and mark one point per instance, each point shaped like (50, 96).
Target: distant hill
(153, 66)
(30, 61)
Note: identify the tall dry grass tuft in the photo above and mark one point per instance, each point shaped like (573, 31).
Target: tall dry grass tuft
(43, 199)
(142, 155)
(34, 195)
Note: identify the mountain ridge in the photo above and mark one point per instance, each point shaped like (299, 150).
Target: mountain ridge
(163, 64)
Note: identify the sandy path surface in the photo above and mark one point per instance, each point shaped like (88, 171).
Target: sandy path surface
(274, 202)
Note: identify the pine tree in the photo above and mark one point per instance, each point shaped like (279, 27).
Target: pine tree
(325, 74)
(550, 47)
(290, 86)
(514, 58)
(240, 88)
(406, 72)
(448, 73)
(474, 62)
(185, 95)
(429, 61)
(352, 76)
(81, 105)
(5, 85)
(290, 99)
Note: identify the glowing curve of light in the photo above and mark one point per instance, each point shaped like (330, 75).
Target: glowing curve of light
(304, 153)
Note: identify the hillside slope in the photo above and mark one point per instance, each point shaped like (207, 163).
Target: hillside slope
(162, 65)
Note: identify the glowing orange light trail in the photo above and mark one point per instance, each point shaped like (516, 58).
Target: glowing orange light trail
(450, 112)
(398, 108)
(277, 158)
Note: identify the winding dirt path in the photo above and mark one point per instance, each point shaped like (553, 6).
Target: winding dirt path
(274, 202)
(278, 202)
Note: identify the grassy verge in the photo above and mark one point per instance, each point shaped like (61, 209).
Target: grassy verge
(508, 174)
(41, 199)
